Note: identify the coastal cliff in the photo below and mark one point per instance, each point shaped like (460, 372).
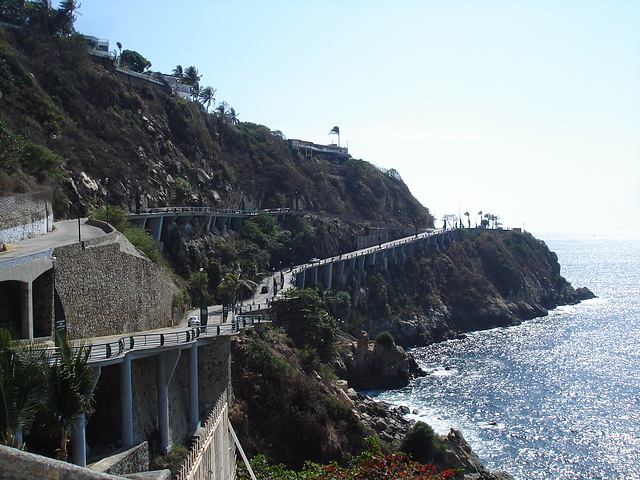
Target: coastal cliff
(485, 279)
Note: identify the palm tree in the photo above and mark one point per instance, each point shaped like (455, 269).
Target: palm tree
(22, 379)
(232, 282)
(71, 382)
(467, 214)
(191, 76)
(233, 116)
(178, 73)
(42, 16)
(480, 215)
(206, 96)
(66, 17)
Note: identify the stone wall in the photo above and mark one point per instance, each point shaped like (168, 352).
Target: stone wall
(133, 460)
(108, 287)
(18, 465)
(25, 216)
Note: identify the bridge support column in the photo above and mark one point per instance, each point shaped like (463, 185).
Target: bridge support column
(79, 433)
(126, 403)
(194, 411)
(27, 310)
(155, 227)
(328, 274)
(166, 363)
(314, 275)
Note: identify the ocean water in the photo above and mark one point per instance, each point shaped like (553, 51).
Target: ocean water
(557, 397)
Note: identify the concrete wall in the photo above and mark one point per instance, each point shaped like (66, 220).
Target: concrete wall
(109, 287)
(19, 465)
(25, 216)
(133, 460)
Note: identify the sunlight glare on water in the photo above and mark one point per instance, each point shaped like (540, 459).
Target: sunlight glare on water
(556, 397)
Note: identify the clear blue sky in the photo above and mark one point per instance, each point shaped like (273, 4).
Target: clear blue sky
(529, 110)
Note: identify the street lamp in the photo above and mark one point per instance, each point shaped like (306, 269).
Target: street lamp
(106, 187)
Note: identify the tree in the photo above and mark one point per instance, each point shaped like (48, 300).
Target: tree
(467, 214)
(178, 73)
(13, 11)
(66, 17)
(134, 61)
(70, 382)
(22, 380)
(206, 96)
(302, 315)
(233, 116)
(42, 16)
(233, 282)
(191, 76)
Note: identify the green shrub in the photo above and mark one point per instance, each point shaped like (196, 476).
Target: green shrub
(422, 443)
(142, 240)
(385, 339)
(172, 460)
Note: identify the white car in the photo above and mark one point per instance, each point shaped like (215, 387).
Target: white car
(193, 321)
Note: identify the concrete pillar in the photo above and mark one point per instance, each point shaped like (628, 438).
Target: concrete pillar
(314, 275)
(194, 411)
(328, 275)
(79, 432)
(27, 310)
(155, 227)
(79, 441)
(126, 403)
(166, 363)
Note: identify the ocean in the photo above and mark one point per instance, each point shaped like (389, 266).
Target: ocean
(556, 397)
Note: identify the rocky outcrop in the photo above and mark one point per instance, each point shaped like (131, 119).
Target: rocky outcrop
(389, 424)
(584, 293)
(380, 417)
(458, 454)
(369, 365)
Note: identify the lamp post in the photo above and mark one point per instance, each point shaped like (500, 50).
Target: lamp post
(106, 187)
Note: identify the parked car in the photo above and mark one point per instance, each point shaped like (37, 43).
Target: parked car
(193, 321)
(264, 289)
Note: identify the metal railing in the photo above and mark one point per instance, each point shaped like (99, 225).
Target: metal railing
(213, 454)
(105, 350)
(222, 211)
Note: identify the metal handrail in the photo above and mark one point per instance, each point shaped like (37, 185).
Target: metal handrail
(110, 349)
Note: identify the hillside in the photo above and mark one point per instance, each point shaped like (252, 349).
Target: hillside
(67, 120)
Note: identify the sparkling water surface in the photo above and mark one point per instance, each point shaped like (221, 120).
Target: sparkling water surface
(557, 397)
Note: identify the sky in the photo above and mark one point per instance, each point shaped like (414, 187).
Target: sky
(529, 110)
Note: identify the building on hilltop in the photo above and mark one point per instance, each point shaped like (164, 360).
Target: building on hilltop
(328, 152)
(180, 89)
(97, 45)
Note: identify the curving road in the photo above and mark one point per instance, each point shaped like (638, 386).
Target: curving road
(64, 233)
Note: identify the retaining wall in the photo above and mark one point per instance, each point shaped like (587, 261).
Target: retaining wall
(108, 287)
(18, 465)
(25, 216)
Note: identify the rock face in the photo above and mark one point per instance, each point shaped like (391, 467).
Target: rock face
(459, 455)
(485, 279)
(369, 365)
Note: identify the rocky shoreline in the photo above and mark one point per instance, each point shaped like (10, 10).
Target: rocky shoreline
(389, 423)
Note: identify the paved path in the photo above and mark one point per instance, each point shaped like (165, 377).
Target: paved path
(65, 233)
